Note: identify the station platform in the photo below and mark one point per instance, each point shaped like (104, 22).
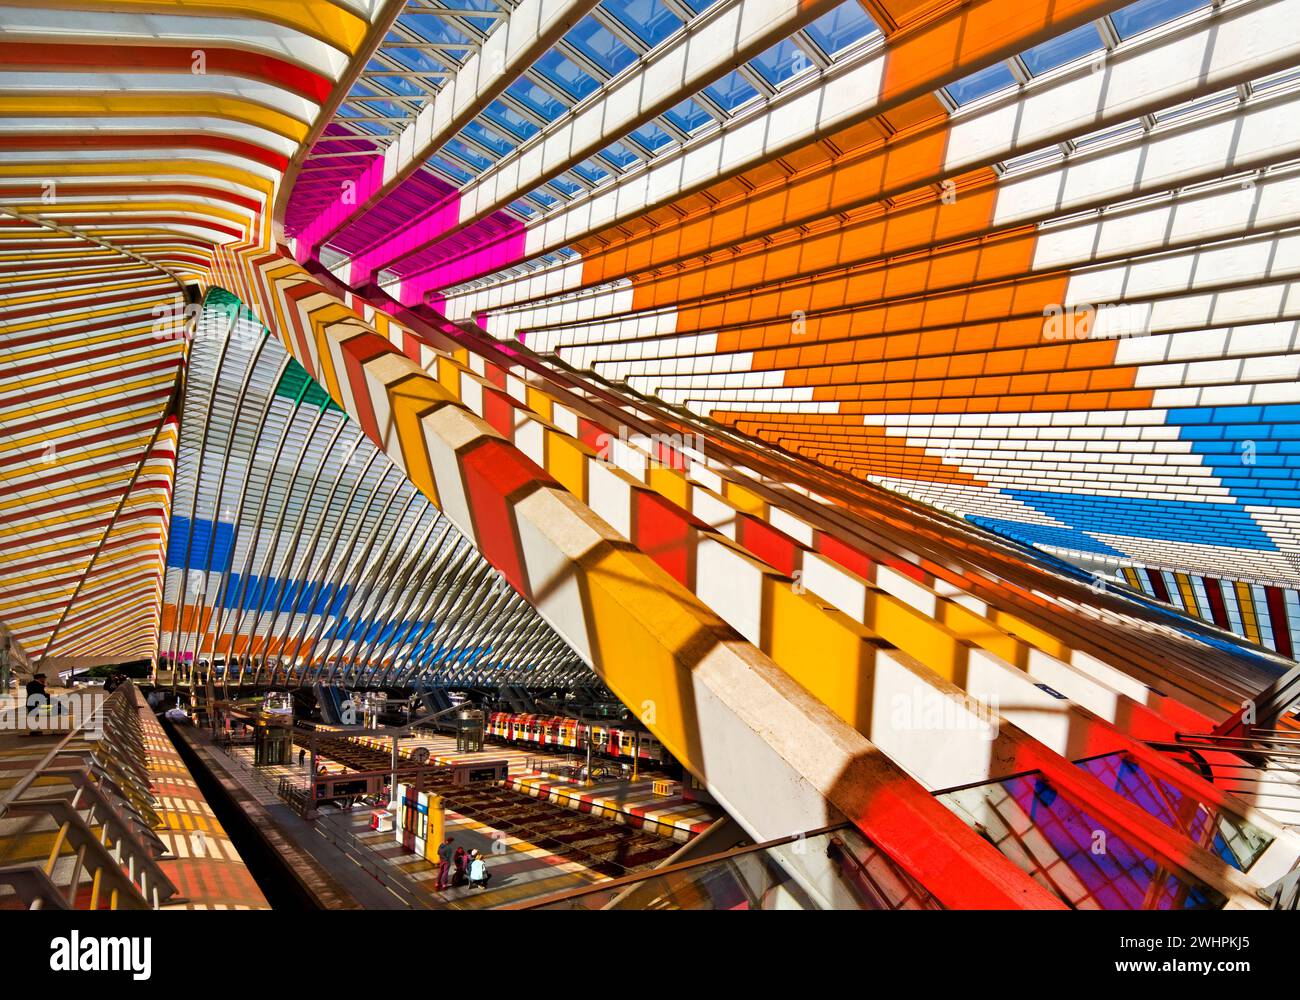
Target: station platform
(115, 779)
(533, 847)
(521, 870)
(208, 870)
(534, 772)
(632, 802)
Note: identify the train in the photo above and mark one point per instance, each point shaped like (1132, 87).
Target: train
(609, 739)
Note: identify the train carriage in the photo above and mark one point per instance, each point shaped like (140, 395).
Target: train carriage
(558, 731)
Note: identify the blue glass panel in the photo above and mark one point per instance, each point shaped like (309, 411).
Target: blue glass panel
(401, 84)
(202, 551)
(536, 98)
(651, 136)
(591, 170)
(471, 156)
(381, 108)
(565, 74)
(688, 116)
(1059, 51)
(1045, 534)
(510, 120)
(453, 170)
(418, 60)
(981, 84)
(619, 155)
(488, 137)
(565, 186)
(431, 28)
(1225, 435)
(1053, 837)
(1150, 13)
(1232, 838)
(840, 28)
(598, 44)
(649, 20)
(467, 6)
(1172, 520)
(731, 91)
(782, 61)
(541, 197)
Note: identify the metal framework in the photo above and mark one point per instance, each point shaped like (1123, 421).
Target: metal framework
(299, 554)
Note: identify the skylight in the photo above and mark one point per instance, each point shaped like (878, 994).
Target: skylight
(986, 81)
(649, 20)
(841, 27)
(598, 44)
(731, 91)
(1063, 49)
(1150, 14)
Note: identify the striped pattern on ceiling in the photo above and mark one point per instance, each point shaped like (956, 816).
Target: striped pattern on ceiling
(166, 128)
(135, 137)
(89, 356)
(1262, 613)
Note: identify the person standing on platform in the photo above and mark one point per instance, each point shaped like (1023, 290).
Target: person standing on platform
(445, 854)
(36, 696)
(37, 702)
(478, 873)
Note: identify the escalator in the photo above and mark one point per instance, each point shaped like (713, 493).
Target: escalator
(334, 703)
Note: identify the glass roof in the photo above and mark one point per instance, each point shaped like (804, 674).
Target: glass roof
(423, 48)
(611, 38)
(981, 84)
(837, 30)
(566, 74)
(649, 20)
(284, 517)
(1151, 14)
(600, 45)
(731, 91)
(1063, 49)
(1082, 42)
(782, 61)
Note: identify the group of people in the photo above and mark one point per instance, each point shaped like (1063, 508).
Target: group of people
(457, 867)
(38, 697)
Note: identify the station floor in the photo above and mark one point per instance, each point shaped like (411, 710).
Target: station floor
(534, 846)
(520, 870)
(633, 803)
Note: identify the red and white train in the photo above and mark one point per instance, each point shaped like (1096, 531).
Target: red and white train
(610, 739)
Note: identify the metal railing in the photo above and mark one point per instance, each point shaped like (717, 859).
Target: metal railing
(96, 802)
(1264, 768)
(1284, 894)
(296, 796)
